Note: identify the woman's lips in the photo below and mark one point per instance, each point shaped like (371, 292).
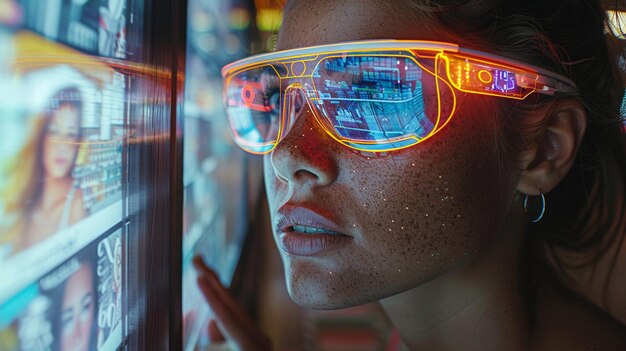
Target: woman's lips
(299, 244)
(61, 161)
(304, 232)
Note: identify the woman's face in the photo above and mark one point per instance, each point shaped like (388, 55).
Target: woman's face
(407, 217)
(61, 141)
(78, 310)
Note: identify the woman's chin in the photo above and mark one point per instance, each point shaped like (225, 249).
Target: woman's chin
(58, 174)
(327, 293)
(321, 300)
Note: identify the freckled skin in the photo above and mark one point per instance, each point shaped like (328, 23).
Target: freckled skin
(414, 214)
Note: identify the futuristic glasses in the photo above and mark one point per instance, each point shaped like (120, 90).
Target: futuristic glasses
(374, 96)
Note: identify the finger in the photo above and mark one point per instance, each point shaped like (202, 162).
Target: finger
(232, 318)
(236, 326)
(228, 322)
(223, 294)
(215, 336)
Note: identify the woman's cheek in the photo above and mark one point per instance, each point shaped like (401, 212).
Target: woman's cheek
(417, 213)
(436, 205)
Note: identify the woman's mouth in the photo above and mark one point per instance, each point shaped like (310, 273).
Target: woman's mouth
(304, 232)
(313, 230)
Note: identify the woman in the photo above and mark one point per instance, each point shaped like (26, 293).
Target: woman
(76, 325)
(474, 234)
(41, 196)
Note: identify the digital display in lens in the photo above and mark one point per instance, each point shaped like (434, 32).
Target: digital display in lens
(370, 98)
(253, 105)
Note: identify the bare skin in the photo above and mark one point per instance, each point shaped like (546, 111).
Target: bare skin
(444, 261)
(60, 146)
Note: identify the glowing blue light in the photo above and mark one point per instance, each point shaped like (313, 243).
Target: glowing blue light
(503, 81)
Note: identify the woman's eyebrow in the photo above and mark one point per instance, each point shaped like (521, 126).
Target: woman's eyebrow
(66, 312)
(87, 298)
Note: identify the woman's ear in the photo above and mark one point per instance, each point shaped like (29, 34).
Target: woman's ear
(547, 162)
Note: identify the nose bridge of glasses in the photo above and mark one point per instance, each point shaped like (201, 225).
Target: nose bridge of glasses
(295, 98)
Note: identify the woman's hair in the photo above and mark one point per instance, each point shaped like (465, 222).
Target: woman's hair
(24, 186)
(586, 212)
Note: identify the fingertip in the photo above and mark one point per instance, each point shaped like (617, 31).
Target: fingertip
(215, 335)
(198, 262)
(205, 271)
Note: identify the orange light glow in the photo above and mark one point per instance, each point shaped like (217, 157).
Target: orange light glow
(463, 70)
(485, 76)
(247, 95)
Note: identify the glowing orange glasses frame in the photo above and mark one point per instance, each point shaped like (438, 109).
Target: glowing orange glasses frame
(466, 70)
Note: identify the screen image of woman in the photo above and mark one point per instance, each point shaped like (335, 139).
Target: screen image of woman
(76, 307)
(76, 322)
(41, 195)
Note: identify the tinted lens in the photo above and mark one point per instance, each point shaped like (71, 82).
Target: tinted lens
(252, 106)
(378, 101)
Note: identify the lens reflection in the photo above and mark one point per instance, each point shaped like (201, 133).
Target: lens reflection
(253, 107)
(375, 98)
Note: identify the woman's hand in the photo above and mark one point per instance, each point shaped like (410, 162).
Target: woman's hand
(232, 322)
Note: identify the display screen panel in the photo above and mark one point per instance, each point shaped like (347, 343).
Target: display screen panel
(61, 155)
(64, 102)
(93, 26)
(215, 171)
(76, 306)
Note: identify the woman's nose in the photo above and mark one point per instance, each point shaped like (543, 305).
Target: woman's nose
(305, 152)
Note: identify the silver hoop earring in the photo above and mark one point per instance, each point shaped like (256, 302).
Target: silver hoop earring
(541, 212)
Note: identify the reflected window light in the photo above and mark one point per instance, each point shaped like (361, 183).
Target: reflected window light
(239, 18)
(233, 43)
(617, 23)
(269, 20)
(10, 12)
(206, 42)
(201, 22)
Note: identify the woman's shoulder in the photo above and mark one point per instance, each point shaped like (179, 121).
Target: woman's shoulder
(565, 321)
(77, 209)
